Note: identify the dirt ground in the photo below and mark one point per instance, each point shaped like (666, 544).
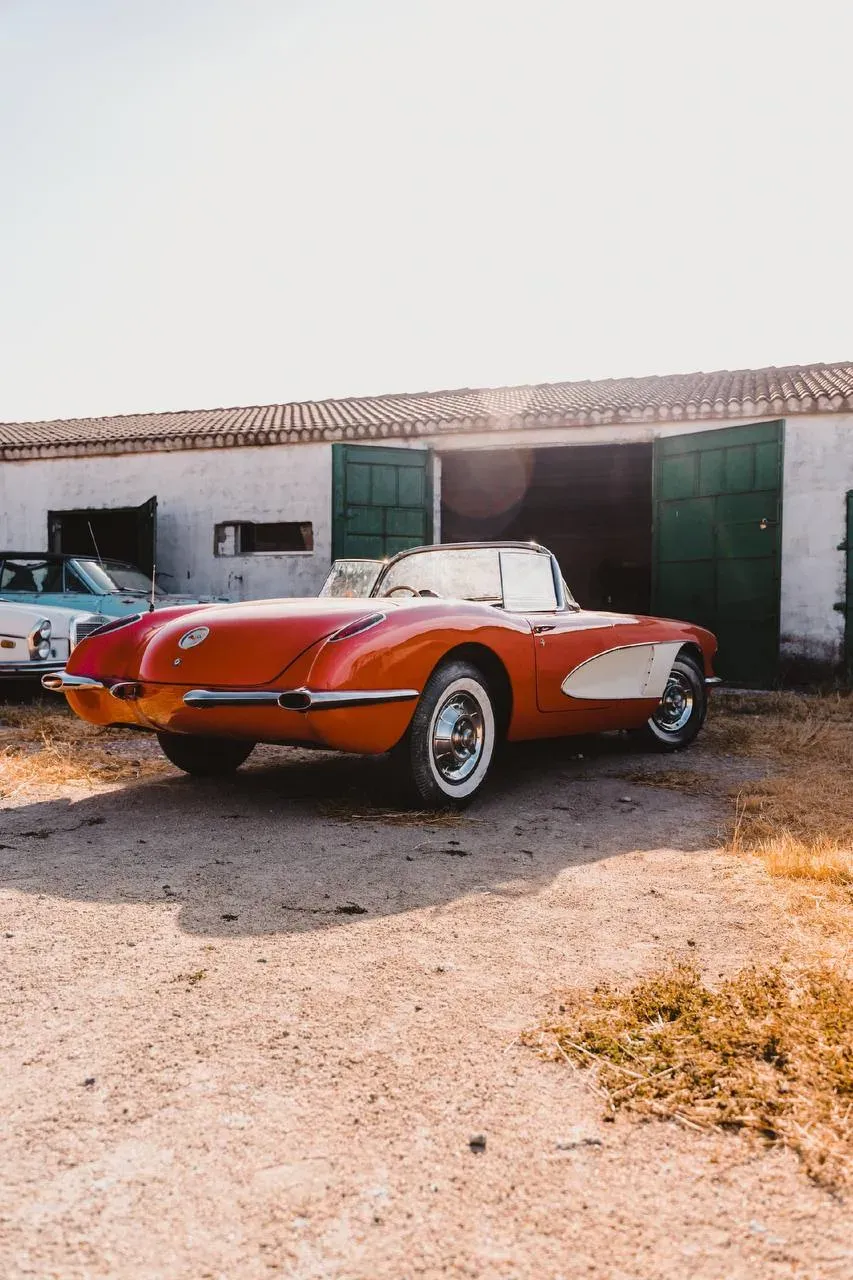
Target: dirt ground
(250, 1028)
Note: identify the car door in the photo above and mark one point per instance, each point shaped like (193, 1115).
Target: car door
(565, 642)
(564, 636)
(582, 657)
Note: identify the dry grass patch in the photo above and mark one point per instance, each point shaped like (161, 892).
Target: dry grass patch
(46, 745)
(770, 1053)
(799, 816)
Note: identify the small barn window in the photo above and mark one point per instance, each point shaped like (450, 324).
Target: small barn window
(245, 538)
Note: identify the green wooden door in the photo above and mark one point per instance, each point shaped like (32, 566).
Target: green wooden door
(717, 539)
(382, 500)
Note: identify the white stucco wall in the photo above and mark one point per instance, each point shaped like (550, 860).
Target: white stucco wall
(818, 474)
(196, 489)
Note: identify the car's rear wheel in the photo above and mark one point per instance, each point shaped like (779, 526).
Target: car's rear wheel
(451, 740)
(681, 711)
(204, 757)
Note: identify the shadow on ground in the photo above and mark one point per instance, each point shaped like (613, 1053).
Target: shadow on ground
(299, 841)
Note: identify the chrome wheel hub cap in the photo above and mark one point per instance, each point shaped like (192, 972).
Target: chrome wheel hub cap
(676, 705)
(457, 737)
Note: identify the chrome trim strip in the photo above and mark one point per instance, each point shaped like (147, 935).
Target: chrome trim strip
(713, 680)
(62, 680)
(321, 700)
(295, 699)
(357, 628)
(201, 699)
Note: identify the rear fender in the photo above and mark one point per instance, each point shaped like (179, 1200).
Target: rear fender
(401, 653)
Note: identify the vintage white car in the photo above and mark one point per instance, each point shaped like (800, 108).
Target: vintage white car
(37, 638)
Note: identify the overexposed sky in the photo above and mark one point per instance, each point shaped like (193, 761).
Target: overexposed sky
(218, 202)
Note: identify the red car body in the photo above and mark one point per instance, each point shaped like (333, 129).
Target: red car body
(348, 674)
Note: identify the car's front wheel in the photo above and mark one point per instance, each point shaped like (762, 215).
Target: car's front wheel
(451, 740)
(681, 711)
(204, 757)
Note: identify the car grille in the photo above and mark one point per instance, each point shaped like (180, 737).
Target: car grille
(82, 627)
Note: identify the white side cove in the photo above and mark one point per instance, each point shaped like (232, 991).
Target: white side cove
(633, 671)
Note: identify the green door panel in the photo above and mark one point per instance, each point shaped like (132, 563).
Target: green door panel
(357, 483)
(743, 589)
(739, 471)
(767, 465)
(712, 471)
(686, 530)
(411, 486)
(687, 588)
(383, 486)
(678, 477)
(406, 523)
(717, 527)
(361, 520)
(381, 500)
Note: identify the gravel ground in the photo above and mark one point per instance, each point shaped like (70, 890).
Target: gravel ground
(250, 1029)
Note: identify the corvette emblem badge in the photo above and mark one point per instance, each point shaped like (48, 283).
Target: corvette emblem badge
(190, 639)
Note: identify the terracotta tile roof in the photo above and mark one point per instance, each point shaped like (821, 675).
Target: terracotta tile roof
(687, 397)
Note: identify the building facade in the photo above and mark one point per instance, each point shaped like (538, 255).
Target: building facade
(722, 498)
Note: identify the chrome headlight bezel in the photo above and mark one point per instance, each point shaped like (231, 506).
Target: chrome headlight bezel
(38, 641)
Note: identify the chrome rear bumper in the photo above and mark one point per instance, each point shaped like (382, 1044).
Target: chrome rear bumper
(58, 681)
(296, 699)
(712, 680)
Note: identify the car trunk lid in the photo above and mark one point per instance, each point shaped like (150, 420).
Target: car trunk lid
(243, 645)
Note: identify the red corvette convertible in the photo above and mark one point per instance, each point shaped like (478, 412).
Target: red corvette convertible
(436, 655)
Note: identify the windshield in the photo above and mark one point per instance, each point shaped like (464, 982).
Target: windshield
(460, 573)
(354, 578)
(518, 578)
(112, 577)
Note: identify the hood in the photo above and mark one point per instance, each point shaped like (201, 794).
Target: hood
(247, 644)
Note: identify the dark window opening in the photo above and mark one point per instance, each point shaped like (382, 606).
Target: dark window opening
(591, 505)
(245, 538)
(128, 534)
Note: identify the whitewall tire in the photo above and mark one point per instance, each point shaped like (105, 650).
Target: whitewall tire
(451, 740)
(681, 711)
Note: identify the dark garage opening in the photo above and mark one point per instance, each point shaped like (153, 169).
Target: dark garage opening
(113, 533)
(590, 504)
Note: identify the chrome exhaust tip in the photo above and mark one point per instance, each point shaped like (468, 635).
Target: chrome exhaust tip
(295, 700)
(126, 690)
(59, 681)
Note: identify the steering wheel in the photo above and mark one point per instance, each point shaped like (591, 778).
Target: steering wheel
(402, 587)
